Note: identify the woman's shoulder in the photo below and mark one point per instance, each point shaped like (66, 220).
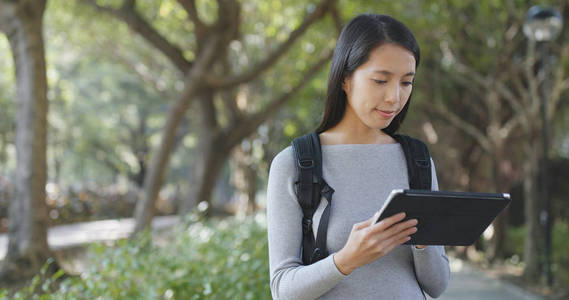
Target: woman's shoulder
(283, 161)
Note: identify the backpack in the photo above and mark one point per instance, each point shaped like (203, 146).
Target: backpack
(310, 186)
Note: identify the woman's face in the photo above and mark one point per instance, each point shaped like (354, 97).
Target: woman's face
(379, 89)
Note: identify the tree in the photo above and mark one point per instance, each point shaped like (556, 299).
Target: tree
(495, 101)
(205, 79)
(28, 250)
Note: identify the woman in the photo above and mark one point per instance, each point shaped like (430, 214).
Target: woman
(369, 91)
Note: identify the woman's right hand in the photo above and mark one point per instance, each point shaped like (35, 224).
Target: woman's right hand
(368, 242)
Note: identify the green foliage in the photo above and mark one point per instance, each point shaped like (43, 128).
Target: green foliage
(218, 259)
(560, 244)
(560, 257)
(515, 242)
(7, 94)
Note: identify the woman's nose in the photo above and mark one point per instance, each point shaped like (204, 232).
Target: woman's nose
(392, 94)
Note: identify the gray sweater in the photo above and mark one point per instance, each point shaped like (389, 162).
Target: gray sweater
(362, 176)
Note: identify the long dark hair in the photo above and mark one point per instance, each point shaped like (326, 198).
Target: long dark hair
(357, 39)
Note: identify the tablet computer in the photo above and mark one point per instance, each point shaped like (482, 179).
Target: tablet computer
(445, 218)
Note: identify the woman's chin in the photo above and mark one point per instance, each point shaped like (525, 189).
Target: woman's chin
(382, 125)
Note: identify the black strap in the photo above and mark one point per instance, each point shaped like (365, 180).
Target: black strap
(309, 188)
(418, 162)
(320, 251)
(304, 187)
(419, 170)
(306, 168)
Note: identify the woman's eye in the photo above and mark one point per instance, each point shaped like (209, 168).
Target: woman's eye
(407, 83)
(380, 81)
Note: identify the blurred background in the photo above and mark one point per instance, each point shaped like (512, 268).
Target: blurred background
(118, 113)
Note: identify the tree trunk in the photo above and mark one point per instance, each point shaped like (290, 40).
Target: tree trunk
(496, 249)
(3, 146)
(212, 41)
(531, 212)
(140, 147)
(243, 177)
(28, 218)
(216, 143)
(145, 206)
(251, 179)
(209, 157)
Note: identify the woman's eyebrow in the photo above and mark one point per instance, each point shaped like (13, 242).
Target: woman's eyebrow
(385, 72)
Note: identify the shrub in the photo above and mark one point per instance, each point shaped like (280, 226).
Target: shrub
(217, 259)
(560, 244)
(560, 255)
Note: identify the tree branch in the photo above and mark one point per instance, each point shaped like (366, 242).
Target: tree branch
(512, 123)
(230, 96)
(461, 124)
(487, 84)
(145, 77)
(531, 79)
(228, 19)
(478, 78)
(507, 94)
(106, 158)
(190, 8)
(136, 23)
(271, 59)
(516, 72)
(336, 18)
(243, 129)
(560, 84)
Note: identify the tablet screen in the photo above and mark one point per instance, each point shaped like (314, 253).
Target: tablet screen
(445, 218)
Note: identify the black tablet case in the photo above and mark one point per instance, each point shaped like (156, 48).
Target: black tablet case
(447, 218)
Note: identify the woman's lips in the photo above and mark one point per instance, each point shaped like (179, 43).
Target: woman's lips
(385, 113)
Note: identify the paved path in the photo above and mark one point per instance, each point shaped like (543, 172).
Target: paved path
(467, 283)
(66, 236)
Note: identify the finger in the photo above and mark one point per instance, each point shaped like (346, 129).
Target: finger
(387, 222)
(406, 232)
(401, 226)
(394, 228)
(397, 239)
(399, 242)
(363, 224)
(387, 247)
(394, 238)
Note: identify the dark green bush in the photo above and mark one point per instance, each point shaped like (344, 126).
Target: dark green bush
(560, 255)
(223, 259)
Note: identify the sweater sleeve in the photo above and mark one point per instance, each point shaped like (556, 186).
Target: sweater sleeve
(290, 279)
(431, 263)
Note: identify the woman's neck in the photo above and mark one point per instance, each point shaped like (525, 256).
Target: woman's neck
(350, 132)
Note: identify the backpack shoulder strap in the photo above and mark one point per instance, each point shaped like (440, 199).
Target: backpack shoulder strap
(418, 162)
(308, 169)
(419, 170)
(309, 187)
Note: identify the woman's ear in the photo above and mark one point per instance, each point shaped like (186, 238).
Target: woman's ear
(346, 85)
